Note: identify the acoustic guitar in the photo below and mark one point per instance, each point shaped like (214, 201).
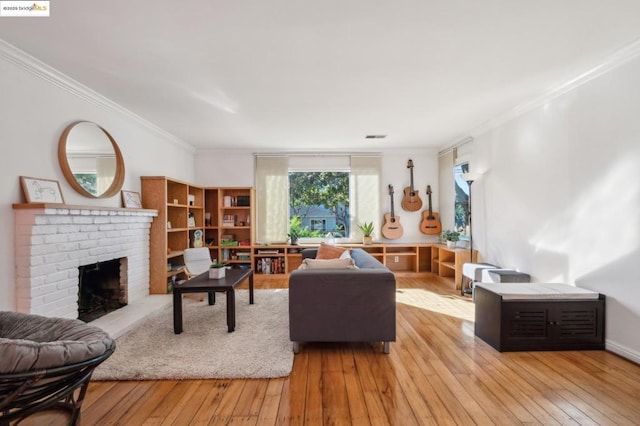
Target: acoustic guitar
(411, 201)
(392, 230)
(430, 224)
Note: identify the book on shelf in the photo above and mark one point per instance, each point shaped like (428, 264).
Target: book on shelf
(270, 265)
(269, 251)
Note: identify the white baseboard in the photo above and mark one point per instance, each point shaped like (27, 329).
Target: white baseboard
(623, 351)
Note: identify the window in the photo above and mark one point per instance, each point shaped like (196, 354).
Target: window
(461, 209)
(321, 201)
(353, 196)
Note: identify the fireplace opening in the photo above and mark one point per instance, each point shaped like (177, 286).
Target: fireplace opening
(101, 288)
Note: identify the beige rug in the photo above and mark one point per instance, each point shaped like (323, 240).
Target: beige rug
(258, 348)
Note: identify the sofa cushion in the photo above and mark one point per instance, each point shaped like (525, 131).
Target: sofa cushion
(328, 264)
(327, 251)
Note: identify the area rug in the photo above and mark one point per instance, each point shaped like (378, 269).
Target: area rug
(258, 348)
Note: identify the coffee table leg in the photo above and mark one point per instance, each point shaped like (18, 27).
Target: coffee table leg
(212, 298)
(231, 310)
(177, 312)
(251, 289)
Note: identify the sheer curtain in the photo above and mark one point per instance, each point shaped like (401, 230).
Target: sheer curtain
(365, 191)
(272, 193)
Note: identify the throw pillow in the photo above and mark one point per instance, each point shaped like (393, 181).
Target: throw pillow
(328, 264)
(327, 251)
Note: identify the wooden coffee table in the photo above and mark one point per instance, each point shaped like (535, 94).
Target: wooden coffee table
(202, 284)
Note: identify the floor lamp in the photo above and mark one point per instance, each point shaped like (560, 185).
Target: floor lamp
(470, 178)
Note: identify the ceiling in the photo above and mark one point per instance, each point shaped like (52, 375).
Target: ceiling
(321, 75)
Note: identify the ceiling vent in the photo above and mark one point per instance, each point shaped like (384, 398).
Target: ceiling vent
(375, 136)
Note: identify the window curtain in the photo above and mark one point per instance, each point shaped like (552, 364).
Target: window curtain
(365, 192)
(446, 189)
(272, 193)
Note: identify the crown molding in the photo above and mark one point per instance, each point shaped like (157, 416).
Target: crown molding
(616, 60)
(23, 60)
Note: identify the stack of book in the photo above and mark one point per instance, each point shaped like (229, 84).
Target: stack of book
(243, 255)
(229, 220)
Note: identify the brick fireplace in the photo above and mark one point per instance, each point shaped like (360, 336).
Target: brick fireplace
(52, 242)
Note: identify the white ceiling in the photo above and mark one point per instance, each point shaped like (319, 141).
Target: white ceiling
(320, 75)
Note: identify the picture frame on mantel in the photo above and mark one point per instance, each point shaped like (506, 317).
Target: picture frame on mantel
(131, 200)
(38, 190)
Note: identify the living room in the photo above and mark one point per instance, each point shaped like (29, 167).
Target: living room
(556, 170)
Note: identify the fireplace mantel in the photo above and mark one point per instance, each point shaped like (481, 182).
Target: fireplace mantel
(53, 240)
(47, 206)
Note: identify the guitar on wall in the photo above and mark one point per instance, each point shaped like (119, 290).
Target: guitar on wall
(430, 224)
(411, 201)
(391, 230)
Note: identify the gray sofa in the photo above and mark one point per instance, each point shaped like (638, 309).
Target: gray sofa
(343, 305)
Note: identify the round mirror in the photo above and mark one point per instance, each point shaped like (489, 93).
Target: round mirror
(91, 160)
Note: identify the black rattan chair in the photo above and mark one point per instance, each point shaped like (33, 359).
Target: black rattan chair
(60, 388)
(46, 364)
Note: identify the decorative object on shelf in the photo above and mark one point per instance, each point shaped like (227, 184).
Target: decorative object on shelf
(41, 190)
(451, 237)
(243, 201)
(191, 199)
(330, 239)
(367, 232)
(392, 229)
(411, 201)
(131, 200)
(191, 220)
(197, 238)
(216, 271)
(168, 225)
(207, 219)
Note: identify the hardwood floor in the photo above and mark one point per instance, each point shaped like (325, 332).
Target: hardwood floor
(437, 373)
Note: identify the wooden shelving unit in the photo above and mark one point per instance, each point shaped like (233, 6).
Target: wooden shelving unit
(172, 231)
(233, 214)
(189, 208)
(409, 259)
(447, 262)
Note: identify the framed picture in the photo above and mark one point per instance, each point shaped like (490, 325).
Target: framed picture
(131, 200)
(38, 190)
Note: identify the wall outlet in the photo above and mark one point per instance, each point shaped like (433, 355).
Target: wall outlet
(396, 259)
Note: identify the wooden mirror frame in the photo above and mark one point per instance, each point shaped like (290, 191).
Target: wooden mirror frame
(118, 179)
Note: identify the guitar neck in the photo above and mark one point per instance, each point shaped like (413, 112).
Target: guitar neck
(392, 212)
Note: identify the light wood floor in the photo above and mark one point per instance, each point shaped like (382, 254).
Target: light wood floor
(437, 373)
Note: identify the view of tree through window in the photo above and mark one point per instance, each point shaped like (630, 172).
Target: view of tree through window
(319, 203)
(88, 181)
(462, 197)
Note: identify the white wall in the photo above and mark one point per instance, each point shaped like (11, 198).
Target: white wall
(236, 168)
(33, 114)
(560, 196)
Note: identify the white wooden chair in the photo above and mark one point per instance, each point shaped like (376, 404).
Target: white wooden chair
(196, 261)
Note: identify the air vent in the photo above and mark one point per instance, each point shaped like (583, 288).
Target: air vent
(375, 136)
